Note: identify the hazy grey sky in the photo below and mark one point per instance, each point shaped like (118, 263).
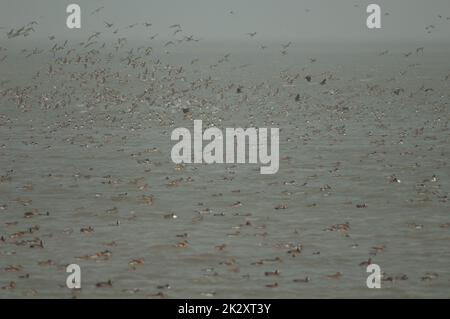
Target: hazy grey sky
(211, 19)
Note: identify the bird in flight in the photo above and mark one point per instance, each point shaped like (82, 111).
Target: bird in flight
(175, 26)
(94, 35)
(189, 38)
(252, 34)
(97, 10)
(108, 25)
(285, 46)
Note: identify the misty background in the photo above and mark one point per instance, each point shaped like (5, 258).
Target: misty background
(214, 20)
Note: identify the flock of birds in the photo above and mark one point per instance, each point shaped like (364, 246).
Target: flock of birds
(102, 82)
